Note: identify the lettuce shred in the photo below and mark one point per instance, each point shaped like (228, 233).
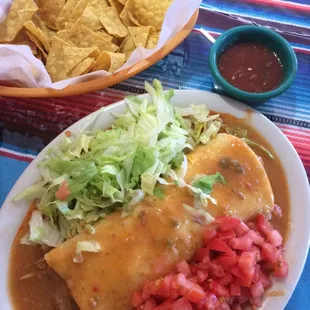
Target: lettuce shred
(106, 170)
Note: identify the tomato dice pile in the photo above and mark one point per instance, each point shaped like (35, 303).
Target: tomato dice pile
(230, 271)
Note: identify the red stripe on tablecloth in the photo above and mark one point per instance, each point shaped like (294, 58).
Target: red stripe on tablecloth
(283, 4)
(301, 140)
(15, 156)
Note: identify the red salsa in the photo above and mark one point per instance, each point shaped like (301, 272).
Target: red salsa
(251, 67)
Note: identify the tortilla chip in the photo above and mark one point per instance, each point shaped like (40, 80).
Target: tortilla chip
(109, 61)
(152, 40)
(49, 11)
(20, 12)
(23, 39)
(124, 16)
(83, 37)
(139, 35)
(49, 33)
(39, 56)
(112, 23)
(38, 33)
(82, 68)
(55, 60)
(70, 13)
(104, 35)
(150, 12)
(133, 19)
(90, 16)
(74, 55)
(37, 42)
(127, 47)
(123, 2)
(116, 5)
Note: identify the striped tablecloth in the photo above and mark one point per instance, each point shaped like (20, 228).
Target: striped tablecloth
(27, 125)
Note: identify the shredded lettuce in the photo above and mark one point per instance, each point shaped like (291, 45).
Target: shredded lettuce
(201, 124)
(41, 231)
(205, 183)
(85, 246)
(243, 135)
(259, 146)
(108, 170)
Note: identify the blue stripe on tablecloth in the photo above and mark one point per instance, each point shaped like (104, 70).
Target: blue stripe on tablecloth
(11, 169)
(20, 149)
(298, 1)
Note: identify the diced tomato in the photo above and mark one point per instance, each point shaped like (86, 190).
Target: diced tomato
(226, 273)
(202, 275)
(196, 294)
(223, 306)
(235, 289)
(163, 287)
(183, 267)
(257, 289)
(256, 302)
(226, 260)
(210, 301)
(208, 235)
(275, 238)
(245, 295)
(167, 305)
(193, 279)
(256, 275)
(247, 276)
(242, 243)
(219, 245)
(247, 260)
(265, 280)
(200, 253)
(281, 269)
(219, 290)
(136, 299)
(277, 211)
(225, 280)
(204, 266)
(263, 224)
(226, 234)
(227, 222)
(236, 272)
(146, 291)
(269, 252)
(181, 304)
(184, 285)
(63, 192)
(256, 237)
(256, 251)
(241, 229)
(174, 289)
(216, 271)
(149, 304)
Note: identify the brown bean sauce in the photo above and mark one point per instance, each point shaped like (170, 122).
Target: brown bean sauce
(251, 67)
(33, 286)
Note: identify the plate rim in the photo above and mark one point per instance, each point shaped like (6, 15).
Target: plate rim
(239, 108)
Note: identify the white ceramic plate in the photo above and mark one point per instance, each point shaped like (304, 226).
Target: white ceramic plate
(297, 245)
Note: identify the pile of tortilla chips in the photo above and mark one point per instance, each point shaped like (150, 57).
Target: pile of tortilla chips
(74, 37)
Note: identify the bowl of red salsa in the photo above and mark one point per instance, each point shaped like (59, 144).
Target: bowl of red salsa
(252, 64)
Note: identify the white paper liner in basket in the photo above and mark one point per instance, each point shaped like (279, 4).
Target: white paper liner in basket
(20, 66)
